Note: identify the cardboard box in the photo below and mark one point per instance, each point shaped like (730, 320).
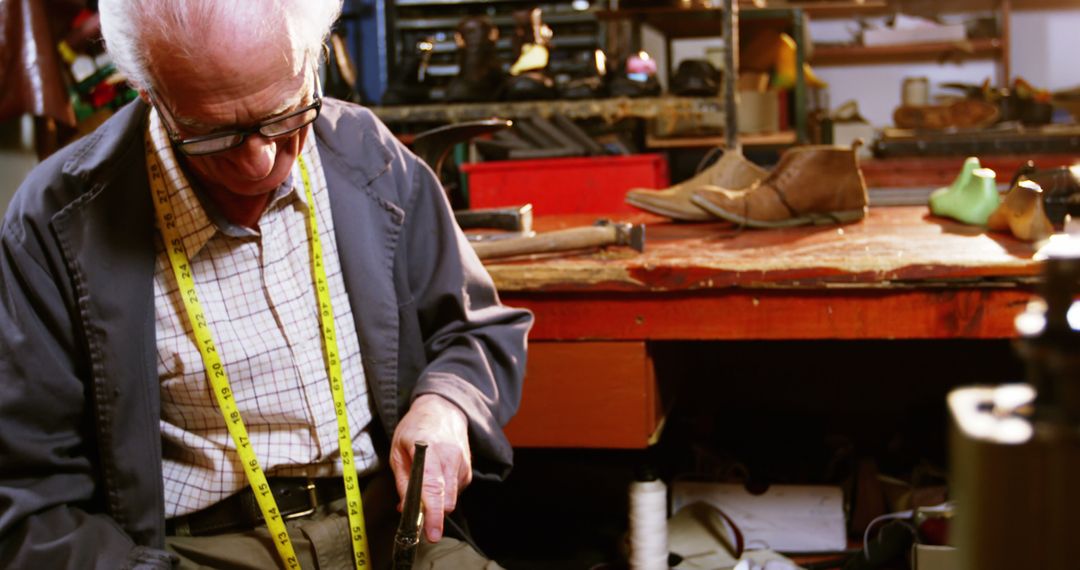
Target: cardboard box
(759, 111)
(929, 557)
(845, 132)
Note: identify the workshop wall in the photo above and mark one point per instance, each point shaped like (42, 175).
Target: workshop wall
(1042, 50)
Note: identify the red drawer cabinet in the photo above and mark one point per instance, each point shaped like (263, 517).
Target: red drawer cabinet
(587, 394)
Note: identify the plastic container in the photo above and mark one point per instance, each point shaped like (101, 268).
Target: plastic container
(565, 185)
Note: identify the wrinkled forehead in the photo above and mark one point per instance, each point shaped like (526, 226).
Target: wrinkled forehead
(242, 89)
(227, 71)
(230, 46)
(222, 61)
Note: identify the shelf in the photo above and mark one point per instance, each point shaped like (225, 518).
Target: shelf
(675, 23)
(576, 36)
(849, 9)
(504, 44)
(451, 69)
(823, 9)
(451, 22)
(814, 8)
(856, 54)
(611, 110)
(838, 8)
(782, 138)
(429, 3)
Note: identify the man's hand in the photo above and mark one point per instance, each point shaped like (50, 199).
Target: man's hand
(448, 464)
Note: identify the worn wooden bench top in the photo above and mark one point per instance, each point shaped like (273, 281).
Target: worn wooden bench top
(893, 247)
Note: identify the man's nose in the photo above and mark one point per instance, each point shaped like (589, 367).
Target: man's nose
(255, 158)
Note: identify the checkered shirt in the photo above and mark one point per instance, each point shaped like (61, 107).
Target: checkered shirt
(257, 290)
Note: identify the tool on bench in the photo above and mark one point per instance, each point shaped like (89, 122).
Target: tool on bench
(516, 220)
(434, 145)
(602, 233)
(407, 537)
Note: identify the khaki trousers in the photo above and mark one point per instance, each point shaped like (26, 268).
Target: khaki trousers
(321, 541)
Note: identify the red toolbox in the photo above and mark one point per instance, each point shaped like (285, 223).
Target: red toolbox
(565, 185)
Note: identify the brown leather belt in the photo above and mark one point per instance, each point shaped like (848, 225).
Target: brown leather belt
(296, 497)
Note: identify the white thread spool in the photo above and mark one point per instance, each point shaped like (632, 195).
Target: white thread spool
(648, 525)
(916, 91)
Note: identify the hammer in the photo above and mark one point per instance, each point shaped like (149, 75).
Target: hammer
(600, 234)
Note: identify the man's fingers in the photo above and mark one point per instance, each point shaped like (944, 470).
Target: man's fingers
(462, 476)
(402, 484)
(456, 476)
(450, 497)
(400, 465)
(434, 496)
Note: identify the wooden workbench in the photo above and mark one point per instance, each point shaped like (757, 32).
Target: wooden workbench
(899, 274)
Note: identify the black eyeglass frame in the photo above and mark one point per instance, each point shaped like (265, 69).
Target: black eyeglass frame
(184, 145)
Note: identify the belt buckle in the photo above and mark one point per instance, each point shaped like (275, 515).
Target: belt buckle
(313, 499)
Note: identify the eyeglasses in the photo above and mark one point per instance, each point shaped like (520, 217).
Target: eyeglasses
(274, 128)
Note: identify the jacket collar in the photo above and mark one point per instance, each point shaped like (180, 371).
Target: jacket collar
(340, 138)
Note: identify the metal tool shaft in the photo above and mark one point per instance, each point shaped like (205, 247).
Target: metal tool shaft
(412, 517)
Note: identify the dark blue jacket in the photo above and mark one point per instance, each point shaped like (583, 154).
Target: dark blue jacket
(80, 442)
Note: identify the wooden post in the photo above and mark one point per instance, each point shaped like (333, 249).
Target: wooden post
(731, 74)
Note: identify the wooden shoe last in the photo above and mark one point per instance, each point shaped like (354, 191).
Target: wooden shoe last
(1022, 213)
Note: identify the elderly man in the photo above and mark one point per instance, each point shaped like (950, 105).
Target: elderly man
(204, 302)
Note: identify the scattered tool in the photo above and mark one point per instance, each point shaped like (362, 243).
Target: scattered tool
(601, 234)
(516, 220)
(433, 146)
(407, 537)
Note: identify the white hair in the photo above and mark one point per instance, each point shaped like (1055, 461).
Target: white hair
(191, 27)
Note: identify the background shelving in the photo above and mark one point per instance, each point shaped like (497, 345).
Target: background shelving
(576, 32)
(831, 54)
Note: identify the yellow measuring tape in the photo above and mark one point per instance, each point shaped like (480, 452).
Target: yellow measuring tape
(215, 371)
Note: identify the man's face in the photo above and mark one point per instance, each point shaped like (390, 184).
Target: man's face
(203, 103)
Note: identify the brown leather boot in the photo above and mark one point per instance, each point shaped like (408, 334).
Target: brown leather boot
(810, 185)
(732, 172)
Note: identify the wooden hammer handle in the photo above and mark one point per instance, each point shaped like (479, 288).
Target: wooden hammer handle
(548, 242)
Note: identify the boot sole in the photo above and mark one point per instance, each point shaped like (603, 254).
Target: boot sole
(816, 219)
(673, 214)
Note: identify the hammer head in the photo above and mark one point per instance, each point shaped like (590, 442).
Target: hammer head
(632, 235)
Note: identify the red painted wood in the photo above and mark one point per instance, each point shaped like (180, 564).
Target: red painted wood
(772, 314)
(586, 394)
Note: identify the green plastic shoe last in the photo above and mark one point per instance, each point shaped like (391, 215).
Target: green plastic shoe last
(971, 198)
